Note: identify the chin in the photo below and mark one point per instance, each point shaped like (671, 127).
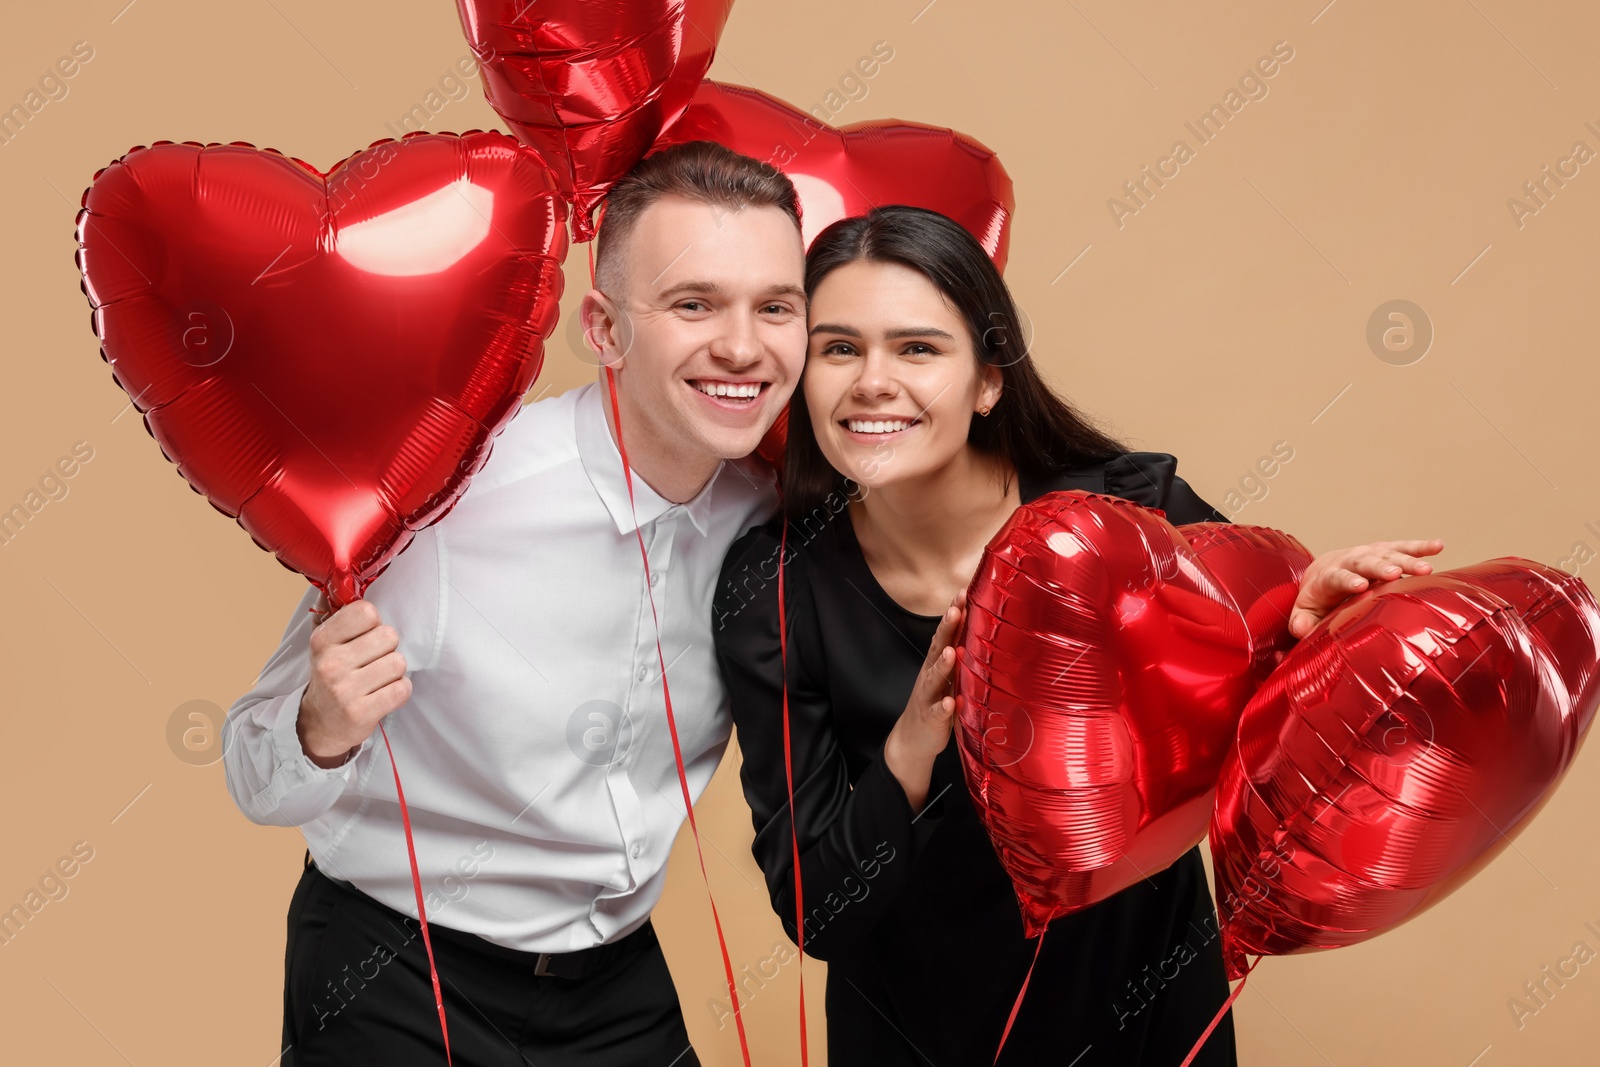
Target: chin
(739, 447)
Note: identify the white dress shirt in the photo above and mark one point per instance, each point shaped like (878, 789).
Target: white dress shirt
(534, 750)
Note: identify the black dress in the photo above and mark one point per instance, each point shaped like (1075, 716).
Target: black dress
(915, 917)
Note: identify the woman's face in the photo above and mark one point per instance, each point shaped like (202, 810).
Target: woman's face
(891, 377)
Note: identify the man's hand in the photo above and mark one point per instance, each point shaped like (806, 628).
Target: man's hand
(357, 677)
(1334, 577)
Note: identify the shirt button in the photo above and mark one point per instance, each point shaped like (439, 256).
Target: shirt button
(655, 577)
(642, 672)
(637, 851)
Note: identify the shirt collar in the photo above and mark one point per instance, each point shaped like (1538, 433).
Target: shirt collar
(603, 463)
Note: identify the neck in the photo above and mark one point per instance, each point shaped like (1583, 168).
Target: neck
(940, 515)
(675, 470)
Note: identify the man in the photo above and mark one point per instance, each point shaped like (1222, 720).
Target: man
(511, 653)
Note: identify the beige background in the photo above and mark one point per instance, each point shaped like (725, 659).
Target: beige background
(1227, 314)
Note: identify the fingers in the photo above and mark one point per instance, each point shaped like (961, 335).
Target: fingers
(951, 620)
(379, 673)
(350, 621)
(1301, 622)
(1336, 576)
(945, 666)
(1339, 581)
(949, 626)
(390, 697)
(1379, 566)
(1414, 548)
(387, 698)
(933, 683)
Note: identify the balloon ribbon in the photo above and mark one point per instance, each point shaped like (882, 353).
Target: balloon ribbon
(788, 776)
(416, 878)
(672, 725)
(1217, 1018)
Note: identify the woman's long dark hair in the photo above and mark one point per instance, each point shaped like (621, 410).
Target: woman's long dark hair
(1031, 427)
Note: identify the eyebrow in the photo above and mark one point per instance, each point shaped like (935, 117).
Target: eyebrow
(788, 290)
(691, 287)
(891, 335)
(713, 289)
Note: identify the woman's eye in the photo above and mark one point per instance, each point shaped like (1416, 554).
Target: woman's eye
(917, 348)
(838, 348)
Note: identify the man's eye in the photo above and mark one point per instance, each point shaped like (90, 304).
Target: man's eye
(776, 308)
(692, 305)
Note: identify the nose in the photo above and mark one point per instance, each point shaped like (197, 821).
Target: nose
(739, 343)
(875, 378)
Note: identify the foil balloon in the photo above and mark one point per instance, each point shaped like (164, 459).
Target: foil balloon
(326, 358)
(775, 441)
(843, 172)
(1397, 750)
(591, 83)
(1106, 659)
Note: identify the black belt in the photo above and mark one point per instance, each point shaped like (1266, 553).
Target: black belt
(577, 964)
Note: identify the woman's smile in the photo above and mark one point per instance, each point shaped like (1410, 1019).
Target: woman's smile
(872, 429)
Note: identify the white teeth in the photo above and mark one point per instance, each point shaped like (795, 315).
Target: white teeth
(741, 390)
(877, 425)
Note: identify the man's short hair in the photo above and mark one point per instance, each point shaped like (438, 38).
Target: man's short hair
(702, 171)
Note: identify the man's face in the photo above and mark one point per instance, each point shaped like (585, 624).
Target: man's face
(708, 331)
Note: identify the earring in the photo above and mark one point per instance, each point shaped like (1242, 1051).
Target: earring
(983, 411)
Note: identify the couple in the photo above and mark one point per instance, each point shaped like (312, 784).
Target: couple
(515, 643)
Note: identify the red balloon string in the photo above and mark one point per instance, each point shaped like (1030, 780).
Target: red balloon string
(672, 725)
(1017, 1004)
(1217, 1018)
(788, 775)
(416, 886)
(411, 852)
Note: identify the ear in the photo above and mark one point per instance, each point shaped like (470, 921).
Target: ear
(992, 384)
(603, 327)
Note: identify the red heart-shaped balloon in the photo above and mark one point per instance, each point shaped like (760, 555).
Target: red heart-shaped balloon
(590, 84)
(326, 358)
(1397, 750)
(844, 172)
(1107, 656)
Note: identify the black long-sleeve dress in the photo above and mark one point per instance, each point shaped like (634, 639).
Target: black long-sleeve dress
(914, 915)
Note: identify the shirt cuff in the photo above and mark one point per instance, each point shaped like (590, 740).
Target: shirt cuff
(294, 768)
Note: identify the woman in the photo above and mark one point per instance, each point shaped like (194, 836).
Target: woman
(919, 427)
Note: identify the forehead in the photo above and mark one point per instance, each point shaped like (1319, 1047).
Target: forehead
(749, 249)
(875, 297)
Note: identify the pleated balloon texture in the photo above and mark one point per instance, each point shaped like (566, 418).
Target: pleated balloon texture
(327, 358)
(1106, 658)
(844, 172)
(1399, 748)
(591, 83)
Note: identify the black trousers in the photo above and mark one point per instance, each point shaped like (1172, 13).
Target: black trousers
(356, 992)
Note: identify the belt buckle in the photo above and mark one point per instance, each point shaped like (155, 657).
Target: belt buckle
(541, 969)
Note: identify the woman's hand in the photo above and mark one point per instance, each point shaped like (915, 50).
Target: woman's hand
(1336, 576)
(923, 729)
